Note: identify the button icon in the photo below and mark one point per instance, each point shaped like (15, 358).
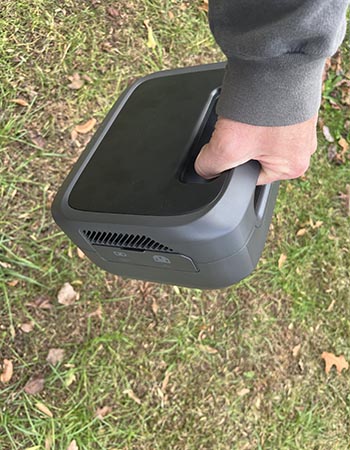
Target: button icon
(161, 259)
(122, 254)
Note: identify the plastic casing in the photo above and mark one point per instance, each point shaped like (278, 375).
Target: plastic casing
(224, 239)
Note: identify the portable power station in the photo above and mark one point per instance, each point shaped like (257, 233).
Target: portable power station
(134, 204)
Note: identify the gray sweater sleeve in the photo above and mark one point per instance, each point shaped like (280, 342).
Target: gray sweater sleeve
(276, 52)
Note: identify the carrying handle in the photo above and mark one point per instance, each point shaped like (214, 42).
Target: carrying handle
(206, 129)
(203, 136)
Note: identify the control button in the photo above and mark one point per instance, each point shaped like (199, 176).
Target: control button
(161, 259)
(167, 261)
(170, 261)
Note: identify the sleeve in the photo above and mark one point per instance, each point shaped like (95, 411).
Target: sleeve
(276, 52)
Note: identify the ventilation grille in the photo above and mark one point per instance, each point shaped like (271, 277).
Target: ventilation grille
(127, 241)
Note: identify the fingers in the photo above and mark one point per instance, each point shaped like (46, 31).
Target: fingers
(283, 152)
(221, 153)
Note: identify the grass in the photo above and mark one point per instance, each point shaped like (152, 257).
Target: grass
(178, 368)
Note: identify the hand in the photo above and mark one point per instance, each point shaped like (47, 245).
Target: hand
(283, 152)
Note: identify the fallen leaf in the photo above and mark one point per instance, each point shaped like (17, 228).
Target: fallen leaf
(155, 306)
(343, 144)
(80, 253)
(70, 378)
(20, 101)
(100, 413)
(165, 381)
(327, 134)
(76, 81)
(87, 78)
(301, 232)
(7, 373)
(131, 394)
(282, 259)
(243, 392)
(208, 349)
(73, 446)
(67, 295)
(13, 283)
(44, 409)
(346, 197)
(27, 327)
(151, 43)
(73, 135)
(113, 12)
(296, 350)
(39, 141)
(42, 302)
(331, 360)
(97, 313)
(55, 356)
(34, 386)
(5, 265)
(204, 6)
(331, 306)
(85, 127)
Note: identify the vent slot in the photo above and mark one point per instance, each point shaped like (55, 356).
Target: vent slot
(124, 240)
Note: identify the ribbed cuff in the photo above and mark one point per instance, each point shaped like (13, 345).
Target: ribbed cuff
(276, 92)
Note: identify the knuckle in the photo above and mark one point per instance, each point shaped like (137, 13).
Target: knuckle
(298, 168)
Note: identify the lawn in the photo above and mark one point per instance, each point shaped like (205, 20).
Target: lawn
(142, 366)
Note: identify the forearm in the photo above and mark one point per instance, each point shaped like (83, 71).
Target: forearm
(276, 53)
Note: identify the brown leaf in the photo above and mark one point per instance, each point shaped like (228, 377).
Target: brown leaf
(346, 197)
(331, 306)
(155, 306)
(204, 6)
(301, 232)
(343, 144)
(165, 381)
(333, 154)
(100, 413)
(331, 360)
(76, 81)
(97, 313)
(55, 356)
(27, 327)
(80, 253)
(73, 446)
(87, 78)
(67, 295)
(34, 386)
(13, 283)
(113, 12)
(207, 349)
(39, 141)
(5, 265)
(243, 392)
(7, 373)
(327, 134)
(20, 101)
(132, 395)
(282, 259)
(44, 409)
(42, 302)
(296, 350)
(85, 127)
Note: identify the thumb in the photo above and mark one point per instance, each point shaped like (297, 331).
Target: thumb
(211, 161)
(204, 163)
